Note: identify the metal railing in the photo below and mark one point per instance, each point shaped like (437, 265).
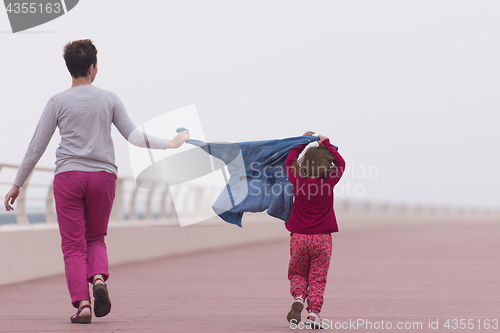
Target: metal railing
(364, 206)
(131, 202)
(47, 198)
(134, 203)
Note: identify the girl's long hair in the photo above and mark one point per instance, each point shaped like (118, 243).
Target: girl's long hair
(317, 162)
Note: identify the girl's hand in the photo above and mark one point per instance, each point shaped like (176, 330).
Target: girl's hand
(179, 139)
(11, 197)
(309, 133)
(322, 138)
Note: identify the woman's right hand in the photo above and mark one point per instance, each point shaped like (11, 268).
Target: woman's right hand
(179, 139)
(11, 197)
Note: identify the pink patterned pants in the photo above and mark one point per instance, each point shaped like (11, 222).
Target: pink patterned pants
(309, 262)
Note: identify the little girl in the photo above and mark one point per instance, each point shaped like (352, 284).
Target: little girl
(311, 224)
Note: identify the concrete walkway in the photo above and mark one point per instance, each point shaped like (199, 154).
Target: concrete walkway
(410, 275)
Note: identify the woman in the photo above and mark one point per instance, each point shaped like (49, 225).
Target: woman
(85, 173)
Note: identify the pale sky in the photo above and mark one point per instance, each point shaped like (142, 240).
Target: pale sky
(407, 88)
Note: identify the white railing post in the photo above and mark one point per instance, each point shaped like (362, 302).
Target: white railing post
(21, 215)
(117, 209)
(50, 215)
(149, 212)
(163, 204)
(177, 195)
(133, 213)
(171, 212)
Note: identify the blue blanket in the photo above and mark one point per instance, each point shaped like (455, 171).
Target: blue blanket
(258, 179)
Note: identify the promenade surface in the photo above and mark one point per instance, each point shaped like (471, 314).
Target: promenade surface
(409, 274)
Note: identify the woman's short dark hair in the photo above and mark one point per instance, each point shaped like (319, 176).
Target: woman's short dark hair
(79, 55)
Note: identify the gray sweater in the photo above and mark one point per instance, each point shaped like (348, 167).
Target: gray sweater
(84, 115)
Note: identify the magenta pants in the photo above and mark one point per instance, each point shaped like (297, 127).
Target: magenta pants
(83, 205)
(308, 269)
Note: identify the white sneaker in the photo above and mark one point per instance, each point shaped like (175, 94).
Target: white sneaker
(294, 316)
(313, 321)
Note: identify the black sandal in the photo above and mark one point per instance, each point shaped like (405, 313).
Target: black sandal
(102, 302)
(78, 319)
